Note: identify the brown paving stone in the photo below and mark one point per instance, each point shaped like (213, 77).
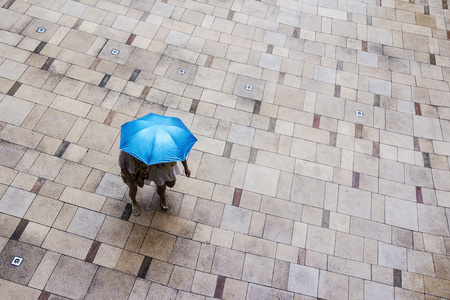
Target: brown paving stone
(31, 257)
(110, 284)
(77, 272)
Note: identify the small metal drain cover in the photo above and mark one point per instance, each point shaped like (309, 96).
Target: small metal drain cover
(40, 30)
(248, 87)
(17, 261)
(359, 113)
(115, 51)
(181, 71)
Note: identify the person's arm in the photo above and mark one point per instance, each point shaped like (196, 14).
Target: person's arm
(186, 169)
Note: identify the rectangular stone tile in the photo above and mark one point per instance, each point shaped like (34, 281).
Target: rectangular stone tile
(101, 161)
(83, 198)
(304, 280)
(76, 58)
(13, 290)
(9, 202)
(107, 256)
(174, 225)
(236, 219)
(185, 253)
(333, 286)
(110, 283)
(254, 245)
(14, 111)
(13, 53)
(11, 155)
(349, 267)
(17, 135)
(228, 263)
(257, 180)
(432, 220)
(436, 286)
(321, 239)
(131, 263)
(281, 208)
(35, 95)
(396, 189)
(195, 187)
(67, 243)
(44, 270)
(46, 124)
(78, 272)
(114, 231)
(157, 244)
(71, 106)
(308, 191)
(392, 256)
(86, 223)
(31, 255)
(370, 229)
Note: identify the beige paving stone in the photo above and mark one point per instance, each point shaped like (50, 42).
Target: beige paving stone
(221, 237)
(370, 229)
(10, 205)
(67, 244)
(261, 179)
(312, 215)
(14, 111)
(348, 246)
(107, 256)
(181, 278)
(236, 219)
(98, 137)
(114, 232)
(159, 272)
(129, 263)
(321, 240)
(304, 280)
(20, 136)
(157, 244)
(401, 213)
(258, 269)
(34, 234)
(436, 286)
(82, 198)
(44, 270)
(185, 253)
(390, 188)
(204, 283)
(16, 291)
(431, 219)
(348, 198)
(333, 286)
(50, 208)
(65, 270)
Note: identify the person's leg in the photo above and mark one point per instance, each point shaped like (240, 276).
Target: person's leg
(170, 183)
(161, 191)
(133, 192)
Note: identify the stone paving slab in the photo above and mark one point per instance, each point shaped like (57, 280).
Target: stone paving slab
(321, 171)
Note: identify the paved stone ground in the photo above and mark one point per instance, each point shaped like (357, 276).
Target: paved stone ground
(293, 195)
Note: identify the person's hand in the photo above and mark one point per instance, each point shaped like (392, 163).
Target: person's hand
(187, 172)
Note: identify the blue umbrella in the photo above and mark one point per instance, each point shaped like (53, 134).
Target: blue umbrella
(155, 139)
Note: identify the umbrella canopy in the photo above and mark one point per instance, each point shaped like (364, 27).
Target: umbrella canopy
(155, 139)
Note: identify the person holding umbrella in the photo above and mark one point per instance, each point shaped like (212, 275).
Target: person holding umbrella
(150, 147)
(134, 172)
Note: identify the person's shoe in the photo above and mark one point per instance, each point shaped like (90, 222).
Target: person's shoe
(135, 210)
(164, 204)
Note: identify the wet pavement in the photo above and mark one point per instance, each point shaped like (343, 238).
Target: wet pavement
(321, 169)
